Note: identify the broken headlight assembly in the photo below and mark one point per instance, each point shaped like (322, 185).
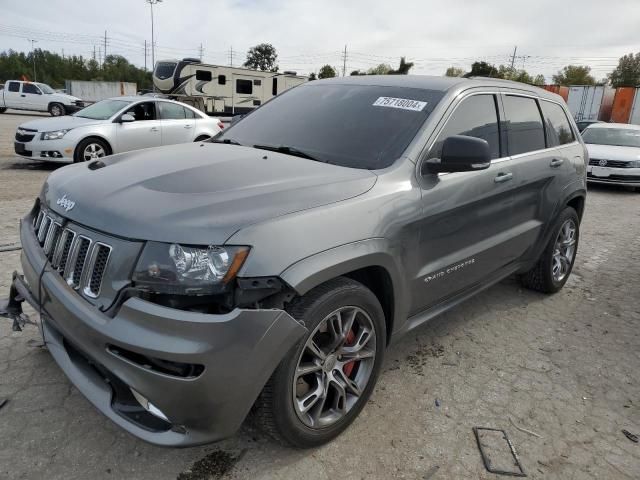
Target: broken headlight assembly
(187, 270)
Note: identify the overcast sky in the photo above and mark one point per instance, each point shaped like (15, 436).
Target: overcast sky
(434, 34)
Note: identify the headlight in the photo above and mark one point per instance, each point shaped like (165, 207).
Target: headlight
(181, 269)
(54, 135)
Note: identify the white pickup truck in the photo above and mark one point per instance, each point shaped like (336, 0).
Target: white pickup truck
(40, 97)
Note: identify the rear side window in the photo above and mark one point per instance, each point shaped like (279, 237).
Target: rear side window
(244, 86)
(476, 116)
(14, 87)
(171, 111)
(558, 127)
(525, 132)
(222, 80)
(204, 75)
(189, 113)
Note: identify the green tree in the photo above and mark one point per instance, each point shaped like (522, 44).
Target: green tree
(262, 57)
(483, 69)
(327, 71)
(355, 73)
(539, 80)
(454, 72)
(627, 73)
(312, 76)
(382, 69)
(403, 69)
(574, 75)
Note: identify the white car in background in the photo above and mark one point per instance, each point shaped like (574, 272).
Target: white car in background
(112, 126)
(614, 153)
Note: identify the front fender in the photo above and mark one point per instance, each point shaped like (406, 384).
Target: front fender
(316, 269)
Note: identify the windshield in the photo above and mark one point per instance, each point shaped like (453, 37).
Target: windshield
(102, 110)
(356, 126)
(164, 70)
(622, 137)
(45, 88)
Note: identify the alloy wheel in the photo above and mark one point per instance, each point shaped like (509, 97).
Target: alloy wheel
(93, 151)
(334, 367)
(564, 250)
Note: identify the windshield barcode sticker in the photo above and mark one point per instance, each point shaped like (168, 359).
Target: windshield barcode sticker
(403, 103)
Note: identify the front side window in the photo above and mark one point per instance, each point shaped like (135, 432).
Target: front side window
(30, 88)
(45, 88)
(143, 111)
(357, 126)
(525, 132)
(14, 87)
(558, 127)
(244, 87)
(477, 117)
(171, 111)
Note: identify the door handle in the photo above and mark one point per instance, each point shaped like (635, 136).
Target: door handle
(154, 129)
(188, 126)
(503, 177)
(556, 162)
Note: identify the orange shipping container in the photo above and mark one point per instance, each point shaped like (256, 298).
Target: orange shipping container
(559, 90)
(622, 104)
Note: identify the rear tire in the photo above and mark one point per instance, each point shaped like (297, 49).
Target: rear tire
(56, 110)
(554, 266)
(305, 410)
(3, 109)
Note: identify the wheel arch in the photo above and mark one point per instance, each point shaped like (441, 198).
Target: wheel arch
(368, 262)
(577, 201)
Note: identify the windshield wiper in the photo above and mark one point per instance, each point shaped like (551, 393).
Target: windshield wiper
(289, 151)
(226, 141)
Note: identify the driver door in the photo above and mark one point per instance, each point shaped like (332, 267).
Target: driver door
(144, 132)
(31, 97)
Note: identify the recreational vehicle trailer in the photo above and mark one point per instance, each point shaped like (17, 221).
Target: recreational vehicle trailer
(220, 90)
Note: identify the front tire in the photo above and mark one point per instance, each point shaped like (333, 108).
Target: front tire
(3, 109)
(91, 149)
(323, 382)
(56, 110)
(555, 264)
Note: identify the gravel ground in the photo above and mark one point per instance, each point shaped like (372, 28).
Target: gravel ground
(565, 367)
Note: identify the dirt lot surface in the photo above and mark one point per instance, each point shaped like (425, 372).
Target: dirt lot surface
(565, 367)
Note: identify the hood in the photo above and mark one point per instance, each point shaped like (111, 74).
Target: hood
(64, 96)
(59, 123)
(196, 194)
(612, 152)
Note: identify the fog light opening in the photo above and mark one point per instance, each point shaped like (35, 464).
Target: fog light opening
(148, 406)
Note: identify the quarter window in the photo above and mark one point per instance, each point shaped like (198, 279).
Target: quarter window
(14, 87)
(30, 88)
(476, 116)
(244, 86)
(203, 75)
(558, 127)
(525, 132)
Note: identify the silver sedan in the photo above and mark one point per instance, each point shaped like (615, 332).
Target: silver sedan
(112, 126)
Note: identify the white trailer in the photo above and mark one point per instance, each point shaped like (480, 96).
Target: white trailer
(220, 90)
(586, 101)
(96, 91)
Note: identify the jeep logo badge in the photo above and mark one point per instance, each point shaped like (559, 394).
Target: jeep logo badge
(65, 203)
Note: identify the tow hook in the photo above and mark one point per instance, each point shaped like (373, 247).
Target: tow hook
(12, 308)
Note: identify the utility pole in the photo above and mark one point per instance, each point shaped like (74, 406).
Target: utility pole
(201, 51)
(63, 53)
(513, 57)
(153, 41)
(231, 56)
(100, 56)
(33, 56)
(145, 55)
(105, 47)
(344, 62)
(94, 53)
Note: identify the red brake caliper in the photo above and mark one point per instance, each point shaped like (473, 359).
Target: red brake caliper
(348, 367)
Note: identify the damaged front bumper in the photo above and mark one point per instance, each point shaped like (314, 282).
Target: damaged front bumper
(170, 377)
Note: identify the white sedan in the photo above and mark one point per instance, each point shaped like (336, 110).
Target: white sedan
(614, 153)
(111, 126)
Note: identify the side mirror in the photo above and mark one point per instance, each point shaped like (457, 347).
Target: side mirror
(126, 118)
(236, 119)
(460, 153)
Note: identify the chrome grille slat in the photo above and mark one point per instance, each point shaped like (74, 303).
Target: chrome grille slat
(80, 260)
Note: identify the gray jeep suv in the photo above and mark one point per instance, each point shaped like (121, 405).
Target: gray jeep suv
(267, 270)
